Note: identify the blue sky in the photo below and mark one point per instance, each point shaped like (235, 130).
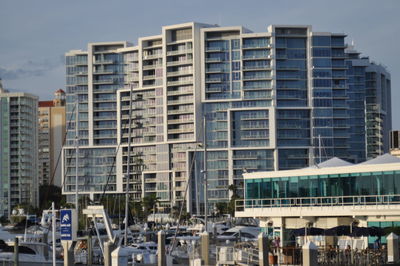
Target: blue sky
(34, 35)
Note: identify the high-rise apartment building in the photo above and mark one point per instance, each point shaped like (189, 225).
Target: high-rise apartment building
(18, 150)
(51, 138)
(378, 110)
(395, 143)
(281, 99)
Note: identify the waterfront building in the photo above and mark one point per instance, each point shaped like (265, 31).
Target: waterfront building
(282, 99)
(51, 138)
(329, 194)
(18, 150)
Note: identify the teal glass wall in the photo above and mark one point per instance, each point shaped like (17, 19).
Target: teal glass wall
(332, 185)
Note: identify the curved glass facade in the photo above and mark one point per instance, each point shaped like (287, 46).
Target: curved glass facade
(331, 185)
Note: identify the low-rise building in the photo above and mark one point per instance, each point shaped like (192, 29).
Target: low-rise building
(329, 194)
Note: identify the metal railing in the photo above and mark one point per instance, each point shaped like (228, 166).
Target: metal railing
(362, 200)
(336, 256)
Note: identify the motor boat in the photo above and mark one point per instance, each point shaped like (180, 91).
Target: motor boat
(30, 254)
(241, 233)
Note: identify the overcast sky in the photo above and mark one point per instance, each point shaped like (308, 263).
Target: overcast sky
(35, 34)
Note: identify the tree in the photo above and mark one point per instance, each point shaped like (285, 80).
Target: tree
(48, 194)
(222, 208)
(149, 203)
(232, 202)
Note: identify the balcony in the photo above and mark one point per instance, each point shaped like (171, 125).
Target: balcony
(257, 46)
(153, 66)
(149, 77)
(179, 92)
(257, 57)
(111, 99)
(181, 111)
(104, 72)
(256, 67)
(214, 60)
(180, 73)
(183, 101)
(214, 80)
(256, 77)
(216, 49)
(180, 121)
(104, 136)
(181, 51)
(215, 70)
(111, 117)
(105, 81)
(104, 62)
(179, 82)
(182, 62)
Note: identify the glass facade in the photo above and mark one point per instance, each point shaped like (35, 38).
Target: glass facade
(330, 185)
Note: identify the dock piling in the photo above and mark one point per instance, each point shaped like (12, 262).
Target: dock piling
(263, 249)
(392, 248)
(16, 252)
(161, 249)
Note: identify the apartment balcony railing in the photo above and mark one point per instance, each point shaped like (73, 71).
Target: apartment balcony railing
(178, 73)
(182, 62)
(182, 51)
(179, 82)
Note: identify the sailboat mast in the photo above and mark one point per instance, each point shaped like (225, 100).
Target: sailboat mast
(76, 157)
(128, 166)
(205, 172)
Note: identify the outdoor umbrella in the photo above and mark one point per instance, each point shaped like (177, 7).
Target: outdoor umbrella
(360, 231)
(311, 231)
(376, 231)
(341, 230)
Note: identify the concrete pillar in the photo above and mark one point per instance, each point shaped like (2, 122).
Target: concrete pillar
(393, 247)
(263, 249)
(68, 253)
(108, 247)
(16, 251)
(205, 246)
(310, 254)
(161, 249)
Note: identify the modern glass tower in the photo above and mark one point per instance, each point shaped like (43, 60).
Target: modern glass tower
(18, 150)
(282, 99)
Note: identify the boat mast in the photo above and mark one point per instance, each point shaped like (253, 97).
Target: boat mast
(205, 172)
(76, 157)
(53, 231)
(128, 167)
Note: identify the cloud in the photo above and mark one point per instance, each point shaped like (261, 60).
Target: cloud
(29, 69)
